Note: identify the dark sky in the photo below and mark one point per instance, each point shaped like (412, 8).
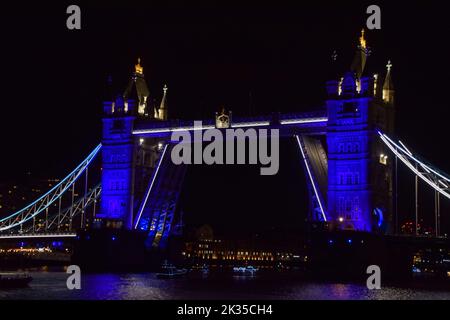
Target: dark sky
(52, 79)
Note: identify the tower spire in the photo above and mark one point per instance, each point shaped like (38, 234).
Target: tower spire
(161, 113)
(359, 61)
(388, 86)
(137, 89)
(362, 40)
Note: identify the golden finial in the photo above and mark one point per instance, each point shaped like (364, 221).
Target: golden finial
(362, 41)
(138, 68)
(165, 88)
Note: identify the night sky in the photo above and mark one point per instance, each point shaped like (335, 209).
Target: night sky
(210, 55)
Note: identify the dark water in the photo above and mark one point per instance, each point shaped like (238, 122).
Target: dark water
(52, 285)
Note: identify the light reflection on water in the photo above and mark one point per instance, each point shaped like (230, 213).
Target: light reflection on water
(52, 285)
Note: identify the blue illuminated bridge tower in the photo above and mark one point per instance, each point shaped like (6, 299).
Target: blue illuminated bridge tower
(360, 182)
(349, 176)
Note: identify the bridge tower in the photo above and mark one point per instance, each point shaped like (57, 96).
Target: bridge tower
(360, 180)
(119, 152)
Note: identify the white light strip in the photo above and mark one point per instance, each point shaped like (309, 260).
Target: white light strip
(311, 178)
(425, 168)
(236, 125)
(445, 186)
(27, 236)
(407, 150)
(300, 121)
(412, 168)
(167, 130)
(412, 157)
(151, 186)
(250, 124)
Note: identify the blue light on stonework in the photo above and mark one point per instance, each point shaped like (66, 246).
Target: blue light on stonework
(330, 242)
(349, 241)
(348, 164)
(113, 238)
(117, 168)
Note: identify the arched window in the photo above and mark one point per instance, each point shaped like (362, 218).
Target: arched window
(349, 148)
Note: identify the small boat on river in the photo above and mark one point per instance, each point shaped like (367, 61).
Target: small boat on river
(169, 271)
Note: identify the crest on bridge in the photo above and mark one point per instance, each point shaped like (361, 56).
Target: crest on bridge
(223, 119)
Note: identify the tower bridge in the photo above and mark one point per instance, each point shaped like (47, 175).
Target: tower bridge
(351, 187)
(350, 177)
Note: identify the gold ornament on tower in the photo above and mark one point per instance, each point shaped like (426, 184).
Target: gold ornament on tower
(138, 68)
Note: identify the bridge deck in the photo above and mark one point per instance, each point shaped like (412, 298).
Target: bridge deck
(312, 122)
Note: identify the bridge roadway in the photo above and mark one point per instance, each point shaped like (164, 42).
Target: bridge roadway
(312, 122)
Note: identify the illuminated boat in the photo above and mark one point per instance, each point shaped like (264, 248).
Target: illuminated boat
(169, 271)
(248, 270)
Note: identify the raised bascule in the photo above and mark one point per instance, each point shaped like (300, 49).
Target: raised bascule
(345, 148)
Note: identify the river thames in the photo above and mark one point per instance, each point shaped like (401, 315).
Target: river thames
(146, 286)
